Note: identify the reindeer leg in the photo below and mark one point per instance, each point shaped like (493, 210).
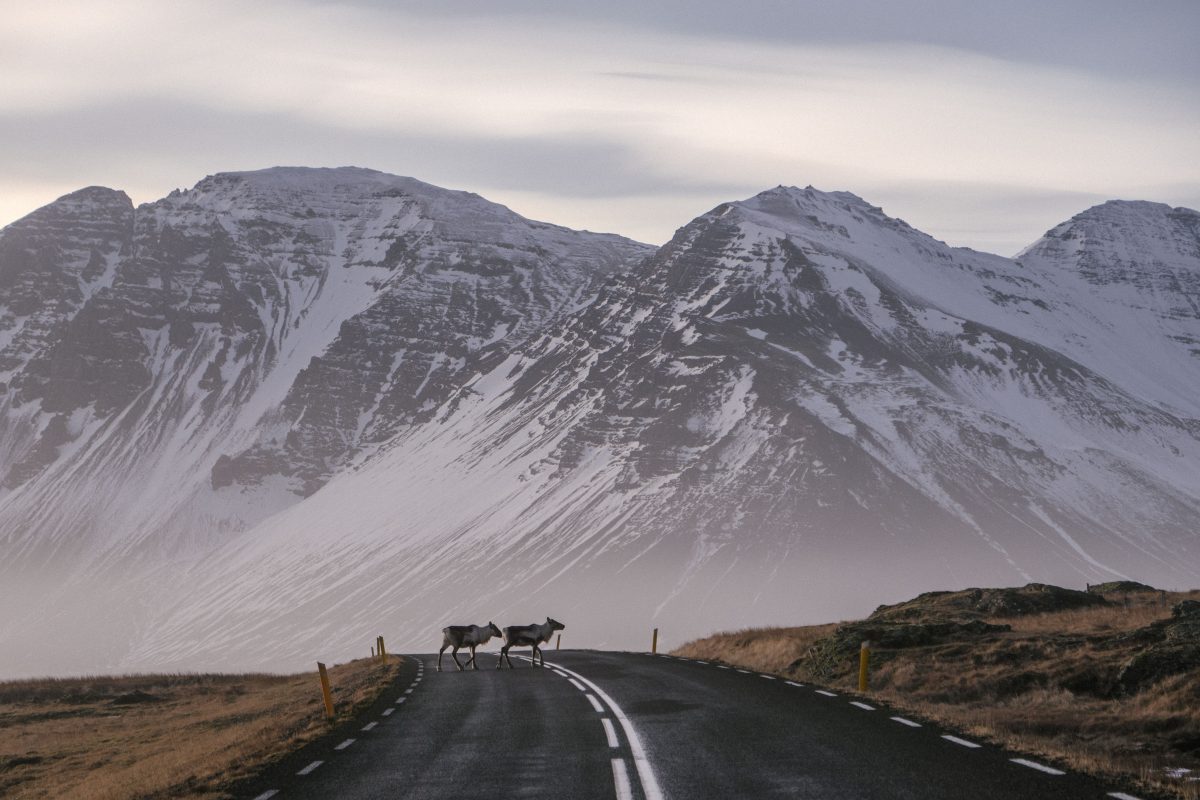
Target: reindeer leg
(500, 660)
(454, 655)
(471, 661)
(439, 669)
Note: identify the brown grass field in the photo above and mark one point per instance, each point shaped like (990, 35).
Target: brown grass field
(164, 736)
(1055, 684)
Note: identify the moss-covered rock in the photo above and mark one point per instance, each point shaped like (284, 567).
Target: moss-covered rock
(1119, 587)
(838, 653)
(1173, 647)
(1034, 598)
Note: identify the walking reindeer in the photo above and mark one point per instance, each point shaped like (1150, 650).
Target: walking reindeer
(528, 636)
(471, 636)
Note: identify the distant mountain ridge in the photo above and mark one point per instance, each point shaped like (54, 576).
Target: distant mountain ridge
(488, 415)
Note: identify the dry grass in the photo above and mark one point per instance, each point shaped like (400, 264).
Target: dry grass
(1046, 687)
(760, 649)
(163, 736)
(1095, 621)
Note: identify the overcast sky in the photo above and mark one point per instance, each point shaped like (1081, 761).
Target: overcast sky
(983, 124)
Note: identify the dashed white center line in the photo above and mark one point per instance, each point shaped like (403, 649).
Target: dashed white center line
(310, 767)
(907, 722)
(387, 712)
(1039, 767)
(595, 703)
(793, 683)
(345, 744)
(621, 779)
(957, 740)
(768, 677)
(722, 666)
(827, 694)
(650, 787)
(863, 706)
(408, 690)
(610, 732)
(267, 795)
(369, 726)
(1123, 796)
(576, 684)
(744, 671)
(401, 700)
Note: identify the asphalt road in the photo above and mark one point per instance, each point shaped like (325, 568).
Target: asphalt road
(632, 726)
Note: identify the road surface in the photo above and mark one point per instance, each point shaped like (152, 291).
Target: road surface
(631, 726)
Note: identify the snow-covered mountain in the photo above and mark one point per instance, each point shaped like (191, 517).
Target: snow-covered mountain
(175, 373)
(795, 409)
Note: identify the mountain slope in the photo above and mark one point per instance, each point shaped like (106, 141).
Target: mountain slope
(177, 372)
(795, 397)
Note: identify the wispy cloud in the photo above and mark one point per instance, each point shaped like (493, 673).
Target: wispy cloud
(571, 116)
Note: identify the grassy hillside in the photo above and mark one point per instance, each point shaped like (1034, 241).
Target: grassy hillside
(164, 736)
(1106, 680)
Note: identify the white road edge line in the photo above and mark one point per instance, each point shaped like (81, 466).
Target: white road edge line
(863, 706)
(957, 740)
(793, 683)
(1024, 762)
(744, 671)
(345, 744)
(1118, 795)
(907, 722)
(610, 732)
(369, 726)
(310, 767)
(827, 694)
(621, 779)
(576, 684)
(595, 703)
(641, 763)
(768, 677)
(267, 795)
(722, 666)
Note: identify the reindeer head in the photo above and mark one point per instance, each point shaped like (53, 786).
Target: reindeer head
(555, 625)
(493, 629)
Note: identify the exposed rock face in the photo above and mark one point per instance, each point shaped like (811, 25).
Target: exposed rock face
(52, 263)
(795, 407)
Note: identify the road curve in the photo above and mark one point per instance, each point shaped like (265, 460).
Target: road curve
(632, 726)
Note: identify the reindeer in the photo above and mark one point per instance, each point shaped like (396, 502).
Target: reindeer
(471, 636)
(528, 636)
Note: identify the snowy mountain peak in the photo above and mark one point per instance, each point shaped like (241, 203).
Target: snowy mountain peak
(1136, 235)
(81, 206)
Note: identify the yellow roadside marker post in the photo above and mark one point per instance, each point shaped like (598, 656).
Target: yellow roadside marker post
(326, 693)
(864, 658)
(558, 641)
(382, 650)
(654, 642)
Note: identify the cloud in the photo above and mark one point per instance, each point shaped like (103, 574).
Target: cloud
(565, 112)
(1107, 37)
